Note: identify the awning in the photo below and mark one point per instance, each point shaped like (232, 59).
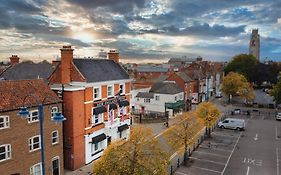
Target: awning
(123, 127)
(99, 110)
(98, 138)
(175, 105)
(112, 106)
(123, 103)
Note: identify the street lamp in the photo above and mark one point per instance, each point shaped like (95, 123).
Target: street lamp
(24, 113)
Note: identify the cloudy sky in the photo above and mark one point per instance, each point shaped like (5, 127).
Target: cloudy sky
(141, 30)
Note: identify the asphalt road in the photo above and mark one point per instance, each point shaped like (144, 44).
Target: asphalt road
(255, 151)
(258, 150)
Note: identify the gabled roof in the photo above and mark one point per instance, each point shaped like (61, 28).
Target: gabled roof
(13, 92)
(145, 95)
(165, 88)
(97, 70)
(28, 70)
(184, 76)
(162, 78)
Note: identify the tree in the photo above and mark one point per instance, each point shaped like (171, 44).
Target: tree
(244, 64)
(209, 113)
(139, 155)
(246, 91)
(182, 134)
(231, 84)
(276, 91)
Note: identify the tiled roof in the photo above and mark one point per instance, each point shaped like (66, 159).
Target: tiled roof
(165, 88)
(145, 95)
(28, 70)
(97, 70)
(13, 92)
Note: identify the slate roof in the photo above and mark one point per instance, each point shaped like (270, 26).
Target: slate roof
(165, 88)
(145, 95)
(28, 70)
(151, 69)
(13, 92)
(97, 70)
(184, 76)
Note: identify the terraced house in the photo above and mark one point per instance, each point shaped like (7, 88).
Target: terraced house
(20, 140)
(96, 97)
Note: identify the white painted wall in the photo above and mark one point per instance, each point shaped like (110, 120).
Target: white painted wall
(159, 106)
(134, 93)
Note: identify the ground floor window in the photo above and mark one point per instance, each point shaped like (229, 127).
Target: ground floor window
(96, 147)
(55, 166)
(36, 169)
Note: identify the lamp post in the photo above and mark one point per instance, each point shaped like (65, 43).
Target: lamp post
(24, 113)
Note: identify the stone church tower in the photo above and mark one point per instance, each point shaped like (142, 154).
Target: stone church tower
(254, 46)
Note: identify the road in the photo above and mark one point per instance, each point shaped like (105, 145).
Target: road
(258, 150)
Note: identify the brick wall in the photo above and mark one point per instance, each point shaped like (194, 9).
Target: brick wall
(18, 136)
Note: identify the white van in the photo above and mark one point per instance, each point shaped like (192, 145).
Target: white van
(232, 123)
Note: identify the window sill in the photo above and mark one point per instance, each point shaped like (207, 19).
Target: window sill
(97, 152)
(34, 150)
(97, 124)
(54, 144)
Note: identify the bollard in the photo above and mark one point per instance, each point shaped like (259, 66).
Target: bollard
(171, 170)
(178, 162)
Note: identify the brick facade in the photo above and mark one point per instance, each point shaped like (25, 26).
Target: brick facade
(18, 136)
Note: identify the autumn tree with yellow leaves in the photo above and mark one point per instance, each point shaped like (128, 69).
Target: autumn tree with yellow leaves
(209, 113)
(140, 155)
(236, 84)
(182, 133)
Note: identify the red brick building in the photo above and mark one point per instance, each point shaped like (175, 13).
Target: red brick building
(95, 114)
(20, 142)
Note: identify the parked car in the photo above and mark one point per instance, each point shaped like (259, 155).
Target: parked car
(278, 116)
(218, 95)
(235, 111)
(232, 123)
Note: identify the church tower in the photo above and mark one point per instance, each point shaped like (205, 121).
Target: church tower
(254, 46)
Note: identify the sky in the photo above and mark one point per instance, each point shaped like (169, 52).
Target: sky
(141, 30)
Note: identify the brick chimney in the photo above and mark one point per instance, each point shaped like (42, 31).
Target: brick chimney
(113, 55)
(14, 59)
(66, 61)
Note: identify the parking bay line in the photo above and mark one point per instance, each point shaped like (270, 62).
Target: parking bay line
(180, 173)
(276, 133)
(206, 169)
(201, 152)
(277, 161)
(219, 163)
(231, 153)
(205, 147)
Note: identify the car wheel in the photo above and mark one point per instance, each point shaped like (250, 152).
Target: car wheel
(222, 127)
(238, 129)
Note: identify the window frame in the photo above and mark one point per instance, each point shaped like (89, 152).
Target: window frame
(112, 91)
(53, 159)
(7, 153)
(99, 147)
(6, 122)
(31, 170)
(54, 110)
(98, 93)
(57, 137)
(157, 98)
(30, 116)
(31, 143)
(100, 118)
(123, 89)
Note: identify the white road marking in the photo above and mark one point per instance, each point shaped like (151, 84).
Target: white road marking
(160, 134)
(277, 157)
(248, 170)
(231, 153)
(206, 169)
(276, 133)
(218, 155)
(180, 173)
(224, 135)
(256, 138)
(219, 163)
(214, 148)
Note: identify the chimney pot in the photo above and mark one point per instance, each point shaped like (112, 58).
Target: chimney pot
(14, 59)
(66, 62)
